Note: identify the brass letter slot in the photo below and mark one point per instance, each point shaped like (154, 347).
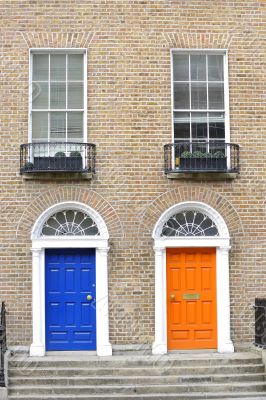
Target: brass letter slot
(191, 296)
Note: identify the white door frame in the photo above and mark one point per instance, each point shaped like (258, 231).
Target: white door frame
(222, 245)
(39, 244)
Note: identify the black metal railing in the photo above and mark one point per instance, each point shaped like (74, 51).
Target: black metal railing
(260, 322)
(195, 156)
(57, 157)
(2, 344)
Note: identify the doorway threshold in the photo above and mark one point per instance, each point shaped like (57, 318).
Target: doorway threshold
(71, 353)
(192, 351)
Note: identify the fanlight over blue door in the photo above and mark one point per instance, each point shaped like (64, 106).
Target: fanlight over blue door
(70, 308)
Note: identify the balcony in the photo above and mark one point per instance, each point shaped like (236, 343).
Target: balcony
(201, 160)
(57, 158)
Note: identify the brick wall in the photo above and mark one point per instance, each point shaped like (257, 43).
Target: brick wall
(129, 119)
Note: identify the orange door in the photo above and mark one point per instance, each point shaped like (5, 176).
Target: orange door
(191, 298)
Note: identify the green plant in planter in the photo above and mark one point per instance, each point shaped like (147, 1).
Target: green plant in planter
(198, 154)
(60, 154)
(195, 154)
(75, 154)
(28, 165)
(218, 154)
(198, 160)
(186, 154)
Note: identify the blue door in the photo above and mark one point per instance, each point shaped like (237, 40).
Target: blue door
(70, 317)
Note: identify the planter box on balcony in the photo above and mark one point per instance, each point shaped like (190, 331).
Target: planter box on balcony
(203, 164)
(57, 164)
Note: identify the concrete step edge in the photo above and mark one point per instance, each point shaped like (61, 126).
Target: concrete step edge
(198, 395)
(179, 354)
(148, 367)
(150, 359)
(123, 377)
(230, 384)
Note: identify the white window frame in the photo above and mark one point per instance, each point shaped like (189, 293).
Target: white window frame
(223, 52)
(58, 51)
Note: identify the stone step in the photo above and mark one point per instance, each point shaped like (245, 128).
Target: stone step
(139, 389)
(169, 377)
(39, 371)
(133, 380)
(205, 359)
(184, 396)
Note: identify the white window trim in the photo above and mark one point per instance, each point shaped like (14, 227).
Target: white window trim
(223, 52)
(85, 100)
(39, 244)
(222, 245)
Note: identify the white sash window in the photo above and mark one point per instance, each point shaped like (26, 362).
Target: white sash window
(200, 97)
(58, 96)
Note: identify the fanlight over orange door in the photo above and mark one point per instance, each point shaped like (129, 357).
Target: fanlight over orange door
(191, 298)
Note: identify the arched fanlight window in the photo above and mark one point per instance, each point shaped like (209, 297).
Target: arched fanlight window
(70, 223)
(189, 223)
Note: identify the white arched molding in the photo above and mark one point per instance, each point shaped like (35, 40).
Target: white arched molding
(222, 245)
(73, 205)
(39, 244)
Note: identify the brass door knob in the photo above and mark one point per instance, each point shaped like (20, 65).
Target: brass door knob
(172, 296)
(89, 297)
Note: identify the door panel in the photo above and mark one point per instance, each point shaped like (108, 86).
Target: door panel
(70, 317)
(191, 298)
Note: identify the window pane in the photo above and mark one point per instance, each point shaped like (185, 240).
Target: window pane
(39, 95)
(75, 95)
(181, 67)
(39, 126)
(58, 67)
(58, 150)
(181, 95)
(182, 125)
(58, 95)
(75, 126)
(198, 96)
(216, 96)
(216, 126)
(215, 68)
(58, 126)
(199, 125)
(40, 67)
(198, 67)
(75, 67)
(199, 145)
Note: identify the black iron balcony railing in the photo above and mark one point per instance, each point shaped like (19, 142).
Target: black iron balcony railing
(57, 157)
(2, 344)
(201, 157)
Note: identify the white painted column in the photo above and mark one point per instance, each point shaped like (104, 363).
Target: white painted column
(37, 347)
(160, 343)
(225, 344)
(104, 347)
